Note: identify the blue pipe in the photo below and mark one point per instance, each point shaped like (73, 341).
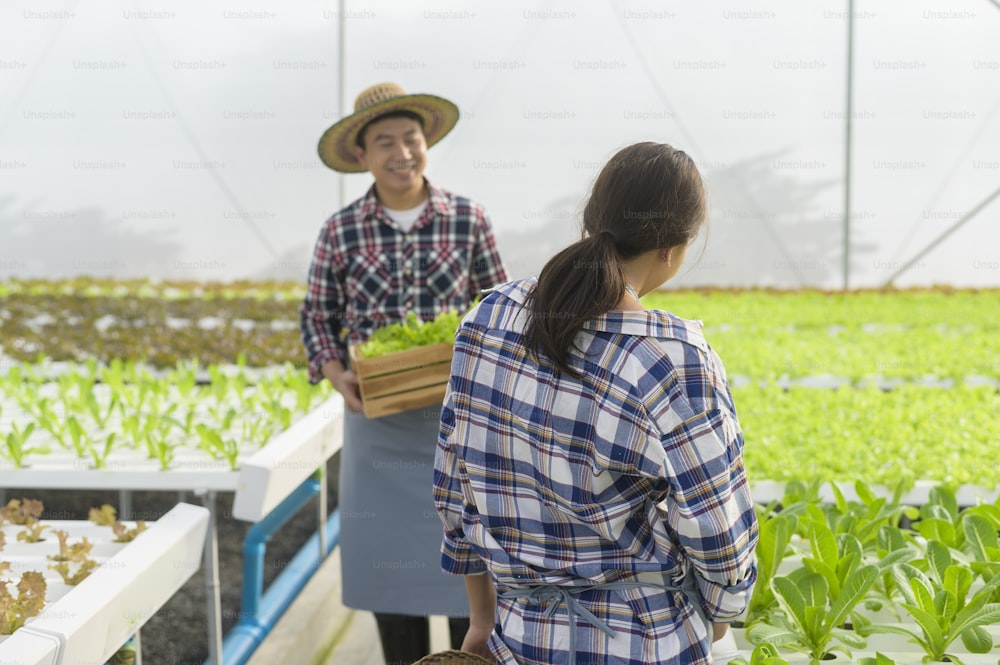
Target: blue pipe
(255, 544)
(260, 611)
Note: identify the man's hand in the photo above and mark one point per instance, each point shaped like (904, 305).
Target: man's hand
(345, 382)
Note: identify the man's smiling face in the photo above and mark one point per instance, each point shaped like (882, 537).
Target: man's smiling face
(395, 153)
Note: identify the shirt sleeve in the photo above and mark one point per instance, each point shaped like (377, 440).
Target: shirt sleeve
(457, 555)
(711, 510)
(321, 311)
(487, 267)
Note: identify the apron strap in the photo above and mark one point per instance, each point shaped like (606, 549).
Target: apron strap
(567, 595)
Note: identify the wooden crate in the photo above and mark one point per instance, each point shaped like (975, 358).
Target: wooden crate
(403, 380)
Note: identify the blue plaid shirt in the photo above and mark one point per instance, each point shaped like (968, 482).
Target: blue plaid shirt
(366, 272)
(633, 472)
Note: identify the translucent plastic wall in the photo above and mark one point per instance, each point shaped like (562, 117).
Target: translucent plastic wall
(178, 139)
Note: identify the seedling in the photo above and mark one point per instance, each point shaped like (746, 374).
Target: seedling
(124, 656)
(73, 577)
(32, 532)
(941, 605)
(163, 451)
(29, 601)
(879, 659)
(79, 438)
(17, 444)
(762, 654)
(100, 416)
(257, 431)
(305, 392)
(216, 446)
(103, 516)
(76, 552)
(107, 516)
(130, 426)
(50, 422)
(100, 453)
(22, 512)
(775, 534)
(185, 380)
(123, 534)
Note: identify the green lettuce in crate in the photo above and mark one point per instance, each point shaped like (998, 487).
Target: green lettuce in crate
(411, 332)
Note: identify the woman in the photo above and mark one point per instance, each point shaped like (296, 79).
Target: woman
(590, 459)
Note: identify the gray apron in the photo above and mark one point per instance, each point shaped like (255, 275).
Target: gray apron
(390, 534)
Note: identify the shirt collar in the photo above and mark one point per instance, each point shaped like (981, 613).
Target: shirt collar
(650, 323)
(371, 207)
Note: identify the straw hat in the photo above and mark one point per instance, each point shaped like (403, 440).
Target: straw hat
(336, 146)
(453, 657)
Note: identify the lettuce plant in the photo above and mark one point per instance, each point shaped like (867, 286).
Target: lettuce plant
(32, 532)
(17, 444)
(941, 605)
(775, 534)
(762, 654)
(75, 552)
(123, 534)
(983, 547)
(411, 332)
(865, 518)
(22, 512)
(809, 621)
(879, 659)
(100, 415)
(892, 547)
(99, 453)
(217, 446)
(30, 599)
(77, 436)
(74, 572)
(106, 515)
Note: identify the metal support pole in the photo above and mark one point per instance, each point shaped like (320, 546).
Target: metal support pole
(212, 586)
(124, 504)
(941, 238)
(849, 117)
(341, 87)
(321, 524)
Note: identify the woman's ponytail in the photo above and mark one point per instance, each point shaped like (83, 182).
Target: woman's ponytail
(648, 196)
(578, 284)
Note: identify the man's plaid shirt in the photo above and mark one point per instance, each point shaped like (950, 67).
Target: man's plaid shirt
(367, 273)
(634, 472)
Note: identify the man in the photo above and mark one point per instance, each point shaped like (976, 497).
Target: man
(406, 246)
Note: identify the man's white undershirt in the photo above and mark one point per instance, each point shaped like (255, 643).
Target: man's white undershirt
(406, 218)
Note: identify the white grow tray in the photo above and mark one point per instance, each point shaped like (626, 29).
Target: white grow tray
(90, 622)
(285, 458)
(264, 479)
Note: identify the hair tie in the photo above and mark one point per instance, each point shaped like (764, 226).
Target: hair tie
(608, 233)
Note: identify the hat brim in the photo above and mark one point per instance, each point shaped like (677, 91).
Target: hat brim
(336, 146)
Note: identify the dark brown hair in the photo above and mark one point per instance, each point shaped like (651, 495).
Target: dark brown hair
(360, 140)
(649, 196)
